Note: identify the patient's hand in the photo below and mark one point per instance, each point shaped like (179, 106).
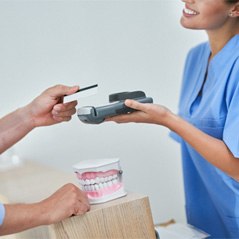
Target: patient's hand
(48, 108)
(67, 201)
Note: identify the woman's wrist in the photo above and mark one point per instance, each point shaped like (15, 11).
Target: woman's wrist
(171, 121)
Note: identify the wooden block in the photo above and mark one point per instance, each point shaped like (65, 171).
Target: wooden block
(125, 218)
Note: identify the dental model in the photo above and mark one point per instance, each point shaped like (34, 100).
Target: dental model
(101, 179)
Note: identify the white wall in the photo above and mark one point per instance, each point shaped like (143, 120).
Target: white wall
(121, 45)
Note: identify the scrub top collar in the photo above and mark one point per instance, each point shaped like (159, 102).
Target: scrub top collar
(225, 54)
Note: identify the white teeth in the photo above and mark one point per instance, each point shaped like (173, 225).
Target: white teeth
(105, 179)
(110, 183)
(97, 180)
(92, 181)
(189, 11)
(104, 185)
(98, 183)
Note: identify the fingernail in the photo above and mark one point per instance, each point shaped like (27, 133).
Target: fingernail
(75, 86)
(57, 108)
(55, 112)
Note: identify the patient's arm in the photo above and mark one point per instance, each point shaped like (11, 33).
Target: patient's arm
(67, 201)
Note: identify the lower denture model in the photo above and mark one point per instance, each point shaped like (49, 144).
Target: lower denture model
(101, 179)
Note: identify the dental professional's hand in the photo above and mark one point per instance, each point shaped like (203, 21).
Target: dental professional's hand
(146, 113)
(48, 108)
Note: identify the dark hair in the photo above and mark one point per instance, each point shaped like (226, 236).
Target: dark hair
(231, 1)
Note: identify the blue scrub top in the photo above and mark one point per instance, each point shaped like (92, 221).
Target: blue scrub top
(2, 213)
(212, 196)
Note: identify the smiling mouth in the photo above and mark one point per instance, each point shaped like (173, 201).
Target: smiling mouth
(189, 12)
(101, 180)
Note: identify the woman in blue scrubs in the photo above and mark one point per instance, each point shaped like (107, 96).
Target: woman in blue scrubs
(207, 125)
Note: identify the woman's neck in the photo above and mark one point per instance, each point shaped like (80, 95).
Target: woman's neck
(219, 38)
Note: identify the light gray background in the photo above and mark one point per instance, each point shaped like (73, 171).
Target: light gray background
(122, 46)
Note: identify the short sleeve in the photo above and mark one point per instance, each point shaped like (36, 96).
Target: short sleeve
(175, 136)
(2, 213)
(231, 127)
